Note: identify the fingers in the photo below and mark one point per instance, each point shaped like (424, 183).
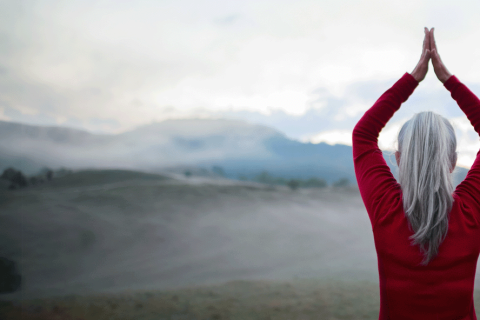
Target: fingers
(433, 45)
(436, 61)
(426, 41)
(427, 38)
(435, 56)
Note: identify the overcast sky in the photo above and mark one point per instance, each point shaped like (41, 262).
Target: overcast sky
(308, 68)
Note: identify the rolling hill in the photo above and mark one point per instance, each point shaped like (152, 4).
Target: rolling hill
(112, 230)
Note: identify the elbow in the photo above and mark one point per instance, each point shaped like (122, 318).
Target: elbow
(356, 133)
(362, 133)
(357, 130)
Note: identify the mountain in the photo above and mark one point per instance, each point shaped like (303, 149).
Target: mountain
(239, 148)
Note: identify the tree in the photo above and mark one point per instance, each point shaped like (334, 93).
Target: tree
(343, 182)
(49, 175)
(188, 173)
(293, 184)
(16, 178)
(8, 174)
(19, 179)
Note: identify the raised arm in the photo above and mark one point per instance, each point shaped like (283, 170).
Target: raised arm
(374, 178)
(373, 175)
(470, 105)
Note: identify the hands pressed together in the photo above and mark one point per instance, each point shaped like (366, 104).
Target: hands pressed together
(429, 51)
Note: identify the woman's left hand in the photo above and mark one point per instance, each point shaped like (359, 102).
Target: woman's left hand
(421, 69)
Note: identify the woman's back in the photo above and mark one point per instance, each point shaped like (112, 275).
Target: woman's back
(442, 289)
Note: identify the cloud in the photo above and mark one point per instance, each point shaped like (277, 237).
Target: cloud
(468, 142)
(96, 59)
(331, 123)
(304, 67)
(331, 137)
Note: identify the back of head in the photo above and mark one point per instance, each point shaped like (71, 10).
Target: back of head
(427, 145)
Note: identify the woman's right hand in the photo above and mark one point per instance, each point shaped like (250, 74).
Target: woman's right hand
(438, 66)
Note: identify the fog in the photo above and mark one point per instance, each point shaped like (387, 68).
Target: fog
(155, 232)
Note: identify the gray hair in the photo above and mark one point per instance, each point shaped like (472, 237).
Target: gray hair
(427, 147)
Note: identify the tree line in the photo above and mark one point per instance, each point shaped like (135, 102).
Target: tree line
(294, 183)
(17, 179)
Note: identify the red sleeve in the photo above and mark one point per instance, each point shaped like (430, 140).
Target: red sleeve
(470, 105)
(374, 177)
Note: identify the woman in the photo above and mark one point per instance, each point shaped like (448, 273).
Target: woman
(427, 235)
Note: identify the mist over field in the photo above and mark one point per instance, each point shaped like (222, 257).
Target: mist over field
(89, 232)
(116, 231)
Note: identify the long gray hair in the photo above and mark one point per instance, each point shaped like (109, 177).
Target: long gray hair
(427, 147)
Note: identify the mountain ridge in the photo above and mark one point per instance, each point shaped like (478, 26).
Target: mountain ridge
(240, 148)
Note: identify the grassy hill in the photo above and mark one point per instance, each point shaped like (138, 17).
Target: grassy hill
(110, 230)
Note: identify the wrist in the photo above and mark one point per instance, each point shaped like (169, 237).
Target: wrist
(416, 76)
(445, 78)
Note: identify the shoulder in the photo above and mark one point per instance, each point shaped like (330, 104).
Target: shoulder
(389, 202)
(466, 209)
(467, 193)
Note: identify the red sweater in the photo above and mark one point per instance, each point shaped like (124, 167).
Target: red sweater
(444, 288)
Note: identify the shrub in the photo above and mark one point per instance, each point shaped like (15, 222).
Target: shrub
(10, 280)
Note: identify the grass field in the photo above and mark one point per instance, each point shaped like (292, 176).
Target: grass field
(296, 299)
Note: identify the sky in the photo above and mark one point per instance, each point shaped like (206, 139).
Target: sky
(307, 68)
